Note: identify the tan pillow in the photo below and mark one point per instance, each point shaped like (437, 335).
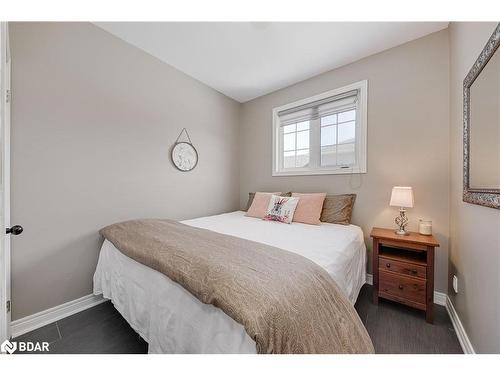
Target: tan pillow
(337, 209)
(309, 208)
(259, 205)
(252, 195)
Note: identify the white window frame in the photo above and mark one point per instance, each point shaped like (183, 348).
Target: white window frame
(361, 134)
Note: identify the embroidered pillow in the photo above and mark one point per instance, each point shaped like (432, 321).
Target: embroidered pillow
(259, 204)
(309, 208)
(281, 209)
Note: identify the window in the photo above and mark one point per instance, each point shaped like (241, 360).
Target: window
(324, 134)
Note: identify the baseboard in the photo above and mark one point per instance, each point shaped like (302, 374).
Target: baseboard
(462, 336)
(29, 323)
(439, 297)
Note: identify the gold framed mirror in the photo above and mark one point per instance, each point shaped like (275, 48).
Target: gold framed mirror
(482, 127)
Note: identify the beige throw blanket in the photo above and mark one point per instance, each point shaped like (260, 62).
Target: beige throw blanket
(287, 303)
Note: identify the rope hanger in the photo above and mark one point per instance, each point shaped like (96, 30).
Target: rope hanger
(184, 130)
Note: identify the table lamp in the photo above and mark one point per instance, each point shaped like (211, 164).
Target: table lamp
(402, 197)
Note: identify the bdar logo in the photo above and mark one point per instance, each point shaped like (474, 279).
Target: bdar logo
(8, 347)
(24, 346)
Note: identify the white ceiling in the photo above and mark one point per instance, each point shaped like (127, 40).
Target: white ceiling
(245, 60)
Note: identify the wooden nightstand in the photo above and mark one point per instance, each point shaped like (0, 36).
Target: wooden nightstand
(403, 269)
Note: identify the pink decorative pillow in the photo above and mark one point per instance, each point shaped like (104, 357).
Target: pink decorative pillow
(259, 204)
(309, 208)
(281, 209)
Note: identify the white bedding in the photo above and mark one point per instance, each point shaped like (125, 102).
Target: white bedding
(172, 320)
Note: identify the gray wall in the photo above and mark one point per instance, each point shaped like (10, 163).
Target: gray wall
(93, 119)
(408, 138)
(474, 230)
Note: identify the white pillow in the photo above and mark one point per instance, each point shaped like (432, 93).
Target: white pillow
(281, 209)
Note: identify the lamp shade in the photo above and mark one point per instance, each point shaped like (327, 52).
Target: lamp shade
(402, 196)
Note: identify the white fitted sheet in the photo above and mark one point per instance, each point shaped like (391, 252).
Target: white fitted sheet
(172, 320)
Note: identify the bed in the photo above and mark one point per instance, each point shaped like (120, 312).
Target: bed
(172, 320)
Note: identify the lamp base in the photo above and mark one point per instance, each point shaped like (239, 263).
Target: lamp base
(401, 221)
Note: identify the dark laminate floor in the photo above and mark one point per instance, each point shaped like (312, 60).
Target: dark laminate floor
(392, 327)
(397, 329)
(100, 329)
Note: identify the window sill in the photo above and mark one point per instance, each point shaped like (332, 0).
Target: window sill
(340, 171)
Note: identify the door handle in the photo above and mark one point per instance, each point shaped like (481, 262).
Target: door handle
(15, 230)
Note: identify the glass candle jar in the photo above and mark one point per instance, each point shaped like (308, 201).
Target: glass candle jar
(425, 227)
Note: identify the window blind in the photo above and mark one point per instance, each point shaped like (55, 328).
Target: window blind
(319, 108)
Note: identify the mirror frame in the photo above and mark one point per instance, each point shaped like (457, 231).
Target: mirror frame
(480, 196)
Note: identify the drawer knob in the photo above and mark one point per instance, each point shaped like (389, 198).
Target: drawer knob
(401, 287)
(388, 265)
(413, 271)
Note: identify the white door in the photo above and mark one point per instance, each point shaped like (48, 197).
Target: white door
(4, 183)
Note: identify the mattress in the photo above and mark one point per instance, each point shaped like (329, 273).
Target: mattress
(172, 320)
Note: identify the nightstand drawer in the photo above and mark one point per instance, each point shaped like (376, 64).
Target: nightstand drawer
(403, 268)
(408, 288)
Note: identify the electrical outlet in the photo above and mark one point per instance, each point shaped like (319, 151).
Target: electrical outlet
(455, 283)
